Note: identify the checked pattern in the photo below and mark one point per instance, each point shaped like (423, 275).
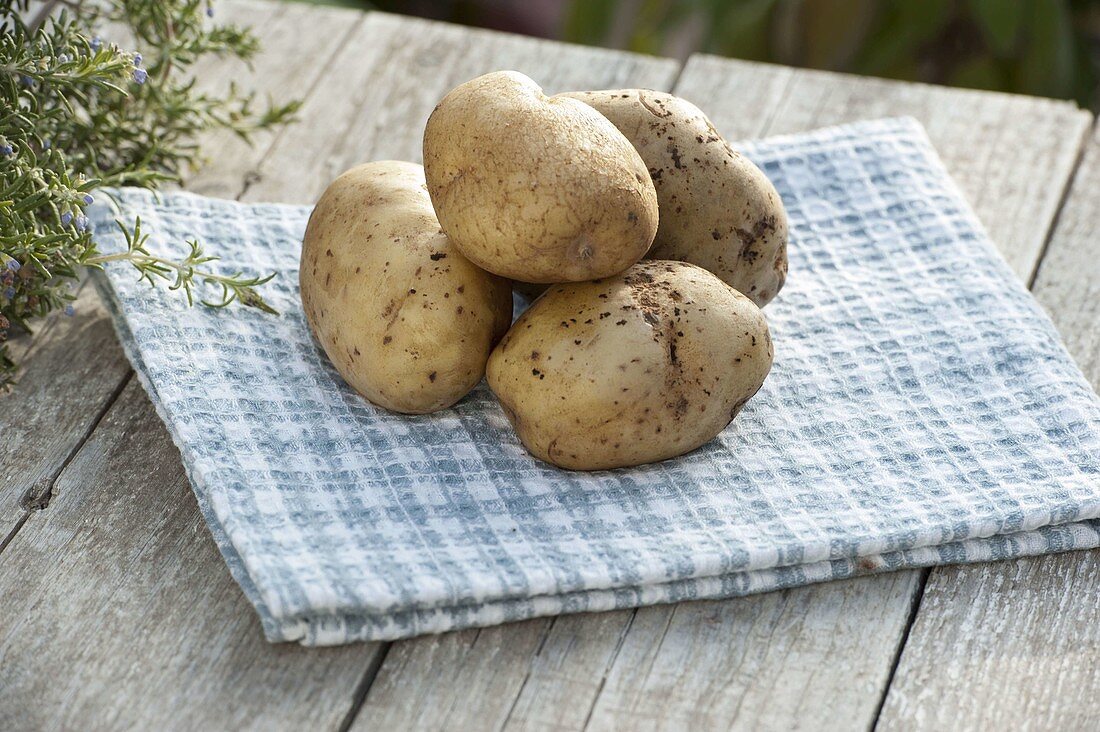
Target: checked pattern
(921, 411)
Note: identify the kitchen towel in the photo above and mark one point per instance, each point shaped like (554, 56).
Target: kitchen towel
(921, 411)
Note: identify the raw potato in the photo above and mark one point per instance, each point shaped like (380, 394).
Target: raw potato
(536, 188)
(631, 369)
(403, 316)
(718, 210)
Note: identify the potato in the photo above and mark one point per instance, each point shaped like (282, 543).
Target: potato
(533, 188)
(403, 316)
(631, 369)
(718, 210)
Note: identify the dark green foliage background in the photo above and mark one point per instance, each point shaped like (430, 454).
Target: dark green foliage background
(1043, 47)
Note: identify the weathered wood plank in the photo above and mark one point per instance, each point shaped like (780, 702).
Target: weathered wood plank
(759, 663)
(565, 677)
(118, 612)
(463, 681)
(1011, 645)
(71, 376)
(299, 43)
(1014, 644)
(1068, 282)
(393, 73)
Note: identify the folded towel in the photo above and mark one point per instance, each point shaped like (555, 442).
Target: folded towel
(921, 411)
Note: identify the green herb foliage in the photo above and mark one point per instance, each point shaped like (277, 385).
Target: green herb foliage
(78, 113)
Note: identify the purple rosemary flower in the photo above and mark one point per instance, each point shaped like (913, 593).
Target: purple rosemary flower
(46, 144)
(88, 199)
(140, 75)
(66, 218)
(209, 11)
(70, 310)
(13, 265)
(9, 292)
(137, 59)
(97, 42)
(81, 222)
(6, 150)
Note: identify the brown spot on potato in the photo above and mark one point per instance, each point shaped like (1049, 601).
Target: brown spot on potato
(674, 152)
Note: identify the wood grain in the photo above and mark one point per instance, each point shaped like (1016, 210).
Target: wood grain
(565, 677)
(72, 373)
(1011, 645)
(461, 681)
(1068, 282)
(814, 658)
(292, 64)
(720, 663)
(1015, 644)
(392, 74)
(118, 611)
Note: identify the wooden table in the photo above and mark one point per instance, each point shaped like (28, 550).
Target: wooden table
(116, 610)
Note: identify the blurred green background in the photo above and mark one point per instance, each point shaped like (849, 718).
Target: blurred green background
(1043, 47)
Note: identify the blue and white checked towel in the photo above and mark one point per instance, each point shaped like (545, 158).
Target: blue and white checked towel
(921, 411)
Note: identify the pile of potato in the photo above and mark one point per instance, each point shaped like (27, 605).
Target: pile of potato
(653, 243)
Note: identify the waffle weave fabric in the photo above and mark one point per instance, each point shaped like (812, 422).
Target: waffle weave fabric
(921, 411)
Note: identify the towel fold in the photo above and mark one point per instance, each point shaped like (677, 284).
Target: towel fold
(921, 411)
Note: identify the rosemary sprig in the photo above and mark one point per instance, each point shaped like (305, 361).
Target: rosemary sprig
(184, 273)
(77, 114)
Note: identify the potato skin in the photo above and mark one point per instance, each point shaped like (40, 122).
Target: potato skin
(403, 316)
(631, 369)
(535, 188)
(718, 210)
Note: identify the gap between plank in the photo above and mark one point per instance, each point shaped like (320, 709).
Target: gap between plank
(530, 668)
(363, 688)
(1086, 136)
(38, 496)
(622, 640)
(610, 665)
(914, 609)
